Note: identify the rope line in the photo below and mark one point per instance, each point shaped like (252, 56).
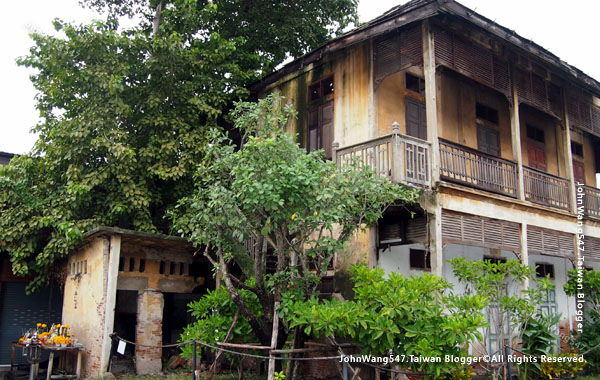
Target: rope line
(224, 350)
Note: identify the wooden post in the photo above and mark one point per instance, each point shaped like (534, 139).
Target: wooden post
(396, 159)
(334, 148)
(515, 129)
(569, 156)
(431, 99)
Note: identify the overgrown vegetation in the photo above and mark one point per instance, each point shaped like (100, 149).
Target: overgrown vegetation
(589, 339)
(126, 114)
(267, 196)
(511, 308)
(419, 316)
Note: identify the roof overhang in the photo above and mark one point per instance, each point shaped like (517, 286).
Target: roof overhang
(417, 10)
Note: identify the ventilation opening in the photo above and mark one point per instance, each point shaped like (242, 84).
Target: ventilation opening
(420, 259)
(131, 264)
(543, 269)
(142, 265)
(161, 268)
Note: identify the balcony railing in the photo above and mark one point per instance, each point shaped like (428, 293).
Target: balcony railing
(591, 201)
(546, 189)
(398, 157)
(468, 166)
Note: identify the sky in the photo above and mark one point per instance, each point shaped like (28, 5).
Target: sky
(568, 31)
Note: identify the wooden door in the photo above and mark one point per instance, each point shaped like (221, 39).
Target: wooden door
(416, 121)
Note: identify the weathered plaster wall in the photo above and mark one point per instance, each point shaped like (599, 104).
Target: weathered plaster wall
(132, 278)
(390, 100)
(457, 99)
(84, 302)
(351, 70)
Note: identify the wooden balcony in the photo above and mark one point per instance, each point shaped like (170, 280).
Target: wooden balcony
(591, 202)
(402, 159)
(546, 189)
(471, 167)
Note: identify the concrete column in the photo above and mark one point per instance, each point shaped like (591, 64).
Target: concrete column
(114, 253)
(435, 241)
(431, 99)
(569, 155)
(515, 129)
(524, 253)
(149, 332)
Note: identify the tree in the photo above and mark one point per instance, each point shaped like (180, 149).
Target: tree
(268, 196)
(126, 113)
(510, 308)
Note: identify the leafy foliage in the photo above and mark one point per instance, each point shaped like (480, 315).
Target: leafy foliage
(537, 340)
(418, 316)
(270, 192)
(215, 312)
(127, 113)
(499, 282)
(589, 339)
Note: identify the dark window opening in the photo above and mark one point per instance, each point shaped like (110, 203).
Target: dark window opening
(172, 268)
(314, 92)
(536, 134)
(161, 267)
(327, 86)
(142, 265)
(486, 113)
(577, 149)
(320, 89)
(415, 84)
(392, 229)
(85, 267)
(494, 260)
(121, 264)
(131, 264)
(181, 269)
(543, 270)
(420, 259)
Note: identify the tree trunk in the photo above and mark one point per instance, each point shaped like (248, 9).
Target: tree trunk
(271, 372)
(157, 18)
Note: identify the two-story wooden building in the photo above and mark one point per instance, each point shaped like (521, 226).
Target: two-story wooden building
(501, 135)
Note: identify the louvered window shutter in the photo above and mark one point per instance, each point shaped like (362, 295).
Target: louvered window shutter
(397, 51)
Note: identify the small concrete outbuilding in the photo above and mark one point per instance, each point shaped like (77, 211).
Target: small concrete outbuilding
(123, 281)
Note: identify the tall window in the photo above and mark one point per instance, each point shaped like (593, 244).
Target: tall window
(416, 122)
(578, 165)
(536, 148)
(488, 136)
(320, 116)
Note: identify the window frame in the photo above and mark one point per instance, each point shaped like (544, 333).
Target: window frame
(426, 265)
